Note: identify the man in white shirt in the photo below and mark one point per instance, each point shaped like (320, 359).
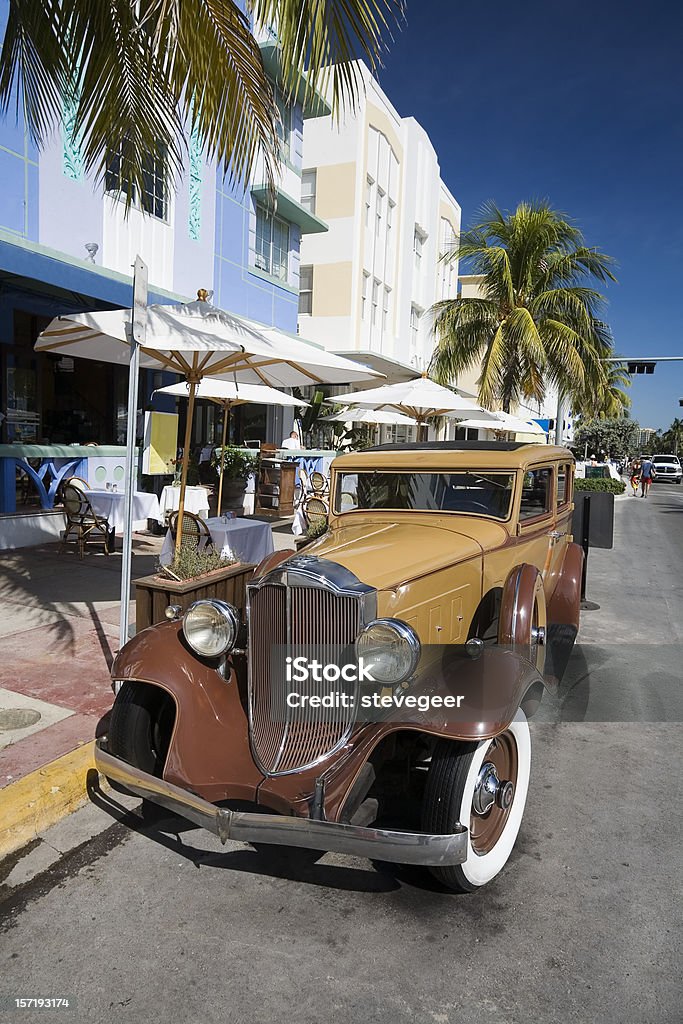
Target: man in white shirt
(292, 441)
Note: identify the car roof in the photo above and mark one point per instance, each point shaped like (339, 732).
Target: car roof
(453, 455)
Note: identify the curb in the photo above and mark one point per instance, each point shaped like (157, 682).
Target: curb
(40, 799)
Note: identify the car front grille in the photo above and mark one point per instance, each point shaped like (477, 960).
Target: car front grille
(295, 618)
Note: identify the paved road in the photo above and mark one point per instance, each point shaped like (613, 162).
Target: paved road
(581, 926)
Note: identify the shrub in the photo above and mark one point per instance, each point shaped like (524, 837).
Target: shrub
(238, 463)
(189, 563)
(610, 486)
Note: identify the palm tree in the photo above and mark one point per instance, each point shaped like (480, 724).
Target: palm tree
(537, 321)
(608, 400)
(134, 74)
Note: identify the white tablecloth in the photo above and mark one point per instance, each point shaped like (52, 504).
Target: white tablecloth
(110, 505)
(196, 500)
(248, 540)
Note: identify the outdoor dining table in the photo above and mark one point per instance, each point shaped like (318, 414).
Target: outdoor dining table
(110, 504)
(248, 540)
(196, 501)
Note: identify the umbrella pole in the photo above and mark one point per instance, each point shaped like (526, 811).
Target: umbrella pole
(226, 413)
(186, 461)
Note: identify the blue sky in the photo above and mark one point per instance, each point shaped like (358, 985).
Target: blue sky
(578, 103)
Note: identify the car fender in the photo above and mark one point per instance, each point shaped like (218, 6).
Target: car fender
(564, 606)
(209, 747)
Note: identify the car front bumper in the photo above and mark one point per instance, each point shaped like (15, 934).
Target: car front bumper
(280, 830)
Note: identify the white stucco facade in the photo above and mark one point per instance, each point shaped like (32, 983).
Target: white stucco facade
(376, 182)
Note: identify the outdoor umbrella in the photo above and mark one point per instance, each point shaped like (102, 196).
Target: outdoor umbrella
(194, 340)
(197, 340)
(506, 421)
(420, 399)
(228, 394)
(377, 416)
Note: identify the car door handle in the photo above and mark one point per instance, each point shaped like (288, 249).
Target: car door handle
(556, 534)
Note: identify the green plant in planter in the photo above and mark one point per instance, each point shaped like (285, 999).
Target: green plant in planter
(189, 562)
(316, 529)
(610, 486)
(238, 463)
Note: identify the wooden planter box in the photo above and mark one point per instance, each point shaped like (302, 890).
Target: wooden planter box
(153, 594)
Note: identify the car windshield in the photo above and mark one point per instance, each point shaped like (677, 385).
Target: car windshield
(484, 494)
(665, 458)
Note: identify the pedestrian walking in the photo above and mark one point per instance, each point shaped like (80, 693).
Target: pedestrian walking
(635, 476)
(647, 472)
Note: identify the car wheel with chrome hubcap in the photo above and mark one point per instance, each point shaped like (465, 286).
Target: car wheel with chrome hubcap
(483, 786)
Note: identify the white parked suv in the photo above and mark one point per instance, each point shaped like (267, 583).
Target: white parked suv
(667, 467)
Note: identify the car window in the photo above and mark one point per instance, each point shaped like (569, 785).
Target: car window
(563, 478)
(536, 491)
(481, 493)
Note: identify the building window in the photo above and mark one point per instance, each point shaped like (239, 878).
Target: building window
(415, 313)
(379, 211)
(391, 206)
(308, 188)
(364, 294)
(153, 198)
(418, 243)
(368, 199)
(385, 309)
(284, 125)
(272, 244)
(375, 301)
(306, 289)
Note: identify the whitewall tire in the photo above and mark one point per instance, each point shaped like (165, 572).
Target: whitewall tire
(484, 787)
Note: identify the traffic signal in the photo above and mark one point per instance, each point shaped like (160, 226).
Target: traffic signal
(641, 367)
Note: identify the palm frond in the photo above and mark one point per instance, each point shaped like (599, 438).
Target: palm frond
(139, 73)
(324, 39)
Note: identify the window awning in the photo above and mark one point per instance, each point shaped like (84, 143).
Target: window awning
(315, 104)
(287, 208)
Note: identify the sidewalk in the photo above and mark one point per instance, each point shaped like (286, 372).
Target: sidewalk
(59, 634)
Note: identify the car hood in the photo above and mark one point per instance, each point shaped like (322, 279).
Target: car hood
(383, 553)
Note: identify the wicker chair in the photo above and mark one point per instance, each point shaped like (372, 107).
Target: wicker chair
(316, 511)
(83, 522)
(196, 533)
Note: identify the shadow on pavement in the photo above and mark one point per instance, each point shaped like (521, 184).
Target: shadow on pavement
(290, 863)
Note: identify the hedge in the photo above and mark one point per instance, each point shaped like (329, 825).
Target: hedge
(611, 486)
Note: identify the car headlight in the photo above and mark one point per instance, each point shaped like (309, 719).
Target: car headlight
(211, 627)
(390, 650)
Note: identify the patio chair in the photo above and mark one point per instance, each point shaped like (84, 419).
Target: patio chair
(316, 511)
(83, 522)
(78, 481)
(196, 533)
(303, 488)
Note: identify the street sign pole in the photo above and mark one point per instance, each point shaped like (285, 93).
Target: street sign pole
(559, 418)
(137, 333)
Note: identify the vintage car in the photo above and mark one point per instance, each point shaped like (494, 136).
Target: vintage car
(461, 549)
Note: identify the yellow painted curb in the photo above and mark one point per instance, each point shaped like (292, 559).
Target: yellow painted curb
(40, 799)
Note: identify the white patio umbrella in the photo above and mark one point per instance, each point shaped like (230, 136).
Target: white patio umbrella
(506, 421)
(420, 399)
(197, 340)
(228, 394)
(194, 340)
(372, 416)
